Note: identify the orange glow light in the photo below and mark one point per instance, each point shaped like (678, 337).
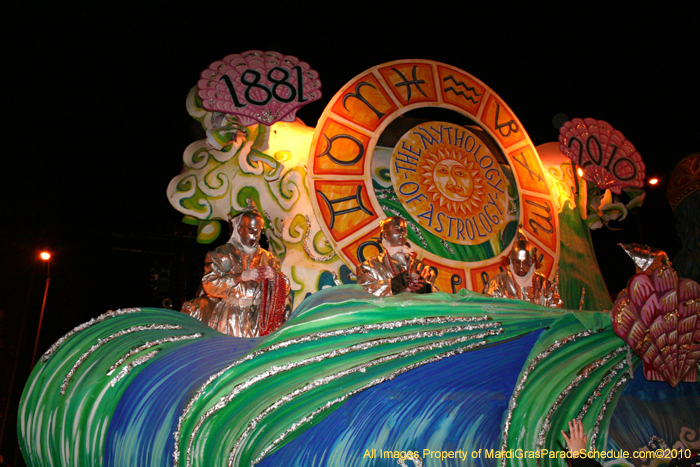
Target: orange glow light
(45, 255)
(653, 181)
(579, 171)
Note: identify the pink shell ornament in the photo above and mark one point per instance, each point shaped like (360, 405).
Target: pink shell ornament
(606, 157)
(657, 315)
(258, 87)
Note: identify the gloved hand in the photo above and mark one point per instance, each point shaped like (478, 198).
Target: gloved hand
(249, 275)
(400, 282)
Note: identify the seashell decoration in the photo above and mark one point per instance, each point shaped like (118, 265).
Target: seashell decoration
(605, 156)
(657, 315)
(258, 87)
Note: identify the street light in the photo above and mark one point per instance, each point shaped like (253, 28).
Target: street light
(46, 256)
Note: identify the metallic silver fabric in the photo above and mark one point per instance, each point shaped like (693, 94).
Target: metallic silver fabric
(228, 307)
(375, 274)
(541, 292)
(409, 224)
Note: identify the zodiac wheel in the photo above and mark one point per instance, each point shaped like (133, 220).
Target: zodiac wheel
(430, 143)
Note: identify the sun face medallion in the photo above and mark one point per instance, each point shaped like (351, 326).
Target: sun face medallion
(449, 182)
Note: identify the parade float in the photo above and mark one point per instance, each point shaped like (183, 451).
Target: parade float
(453, 377)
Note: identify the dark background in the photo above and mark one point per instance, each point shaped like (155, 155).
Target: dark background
(95, 126)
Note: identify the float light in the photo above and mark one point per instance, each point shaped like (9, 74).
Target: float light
(579, 171)
(46, 256)
(653, 181)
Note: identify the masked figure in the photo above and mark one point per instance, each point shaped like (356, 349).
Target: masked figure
(521, 281)
(396, 269)
(243, 292)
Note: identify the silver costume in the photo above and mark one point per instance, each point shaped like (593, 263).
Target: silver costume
(541, 291)
(231, 308)
(375, 274)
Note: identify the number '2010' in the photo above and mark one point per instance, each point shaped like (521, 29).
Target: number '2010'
(251, 79)
(593, 148)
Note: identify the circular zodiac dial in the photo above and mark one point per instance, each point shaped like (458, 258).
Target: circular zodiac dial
(463, 189)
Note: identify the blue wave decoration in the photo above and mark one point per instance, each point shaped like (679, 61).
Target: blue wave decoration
(455, 404)
(146, 418)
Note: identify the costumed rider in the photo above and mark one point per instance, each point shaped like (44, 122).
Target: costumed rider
(243, 292)
(396, 269)
(521, 281)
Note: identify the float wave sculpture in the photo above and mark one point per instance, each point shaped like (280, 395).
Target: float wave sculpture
(348, 373)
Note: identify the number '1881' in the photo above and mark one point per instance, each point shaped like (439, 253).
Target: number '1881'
(281, 90)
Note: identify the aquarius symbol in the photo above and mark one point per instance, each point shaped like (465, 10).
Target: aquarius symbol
(460, 93)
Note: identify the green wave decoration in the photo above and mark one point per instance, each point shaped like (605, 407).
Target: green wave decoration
(265, 392)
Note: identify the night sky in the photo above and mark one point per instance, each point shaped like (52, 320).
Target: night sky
(95, 121)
